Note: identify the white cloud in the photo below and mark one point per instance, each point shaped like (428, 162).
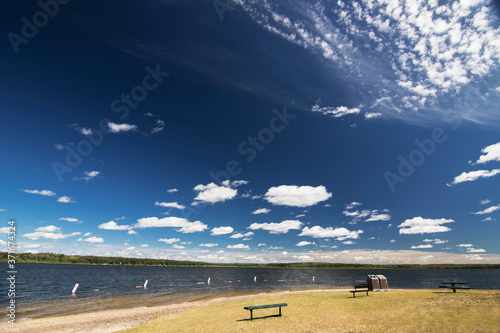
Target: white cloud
(277, 228)
(465, 245)
(172, 190)
(485, 201)
(158, 126)
(46, 193)
(213, 193)
(378, 217)
(59, 146)
(145, 245)
(209, 244)
(348, 242)
(132, 232)
(88, 175)
(177, 246)
(117, 128)
(419, 225)
(423, 246)
(474, 250)
(473, 175)
(221, 231)
(297, 196)
(372, 115)
(169, 240)
(261, 211)
(393, 241)
(169, 205)
(70, 219)
(87, 234)
(304, 243)
(240, 235)
(329, 232)
(488, 210)
(65, 199)
(92, 239)
(239, 246)
(337, 112)
(171, 221)
(491, 153)
(49, 228)
(112, 225)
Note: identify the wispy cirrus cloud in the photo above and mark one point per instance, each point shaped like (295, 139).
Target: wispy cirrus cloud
(46, 193)
(473, 175)
(119, 128)
(169, 205)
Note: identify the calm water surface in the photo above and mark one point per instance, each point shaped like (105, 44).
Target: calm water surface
(45, 289)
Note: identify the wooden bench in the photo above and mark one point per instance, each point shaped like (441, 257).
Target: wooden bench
(454, 286)
(359, 288)
(256, 307)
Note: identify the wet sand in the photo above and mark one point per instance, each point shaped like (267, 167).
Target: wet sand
(119, 319)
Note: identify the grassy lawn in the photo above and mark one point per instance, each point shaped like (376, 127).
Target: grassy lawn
(394, 311)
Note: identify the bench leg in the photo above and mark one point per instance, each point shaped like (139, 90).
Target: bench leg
(454, 290)
(280, 311)
(367, 293)
(354, 295)
(251, 314)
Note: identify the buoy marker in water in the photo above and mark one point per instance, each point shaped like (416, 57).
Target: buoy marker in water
(208, 281)
(75, 288)
(314, 278)
(255, 279)
(145, 284)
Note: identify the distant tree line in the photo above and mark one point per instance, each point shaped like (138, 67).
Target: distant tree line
(55, 258)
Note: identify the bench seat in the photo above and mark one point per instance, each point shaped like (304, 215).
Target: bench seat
(267, 306)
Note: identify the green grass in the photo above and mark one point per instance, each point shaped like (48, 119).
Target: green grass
(394, 311)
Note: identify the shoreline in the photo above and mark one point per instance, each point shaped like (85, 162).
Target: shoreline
(113, 320)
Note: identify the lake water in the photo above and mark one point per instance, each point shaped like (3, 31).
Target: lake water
(45, 289)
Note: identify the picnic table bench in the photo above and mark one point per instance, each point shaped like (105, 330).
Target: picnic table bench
(256, 307)
(454, 285)
(359, 288)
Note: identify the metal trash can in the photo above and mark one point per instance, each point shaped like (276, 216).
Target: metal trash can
(373, 282)
(383, 282)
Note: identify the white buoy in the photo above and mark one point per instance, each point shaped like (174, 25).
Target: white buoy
(255, 279)
(208, 282)
(75, 288)
(313, 278)
(145, 284)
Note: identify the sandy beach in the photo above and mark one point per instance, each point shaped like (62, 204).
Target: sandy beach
(119, 319)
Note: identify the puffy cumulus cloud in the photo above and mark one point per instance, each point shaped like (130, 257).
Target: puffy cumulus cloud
(184, 225)
(92, 239)
(277, 228)
(378, 217)
(65, 199)
(339, 234)
(261, 211)
(488, 210)
(177, 246)
(297, 196)
(49, 232)
(423, 246)
(419, 225)
(304, 243)
(490, 153)
(473, 175)
(240, 235)
(209, 244)
(336, 112)
(239, 246)
(169, 240)
(213, 193)
(118, 128)
(112, 225)
(46, 193)
(474, 250)
(169, 205)
(221, 231)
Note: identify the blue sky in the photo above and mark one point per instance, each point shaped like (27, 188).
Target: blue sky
(245, 131)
